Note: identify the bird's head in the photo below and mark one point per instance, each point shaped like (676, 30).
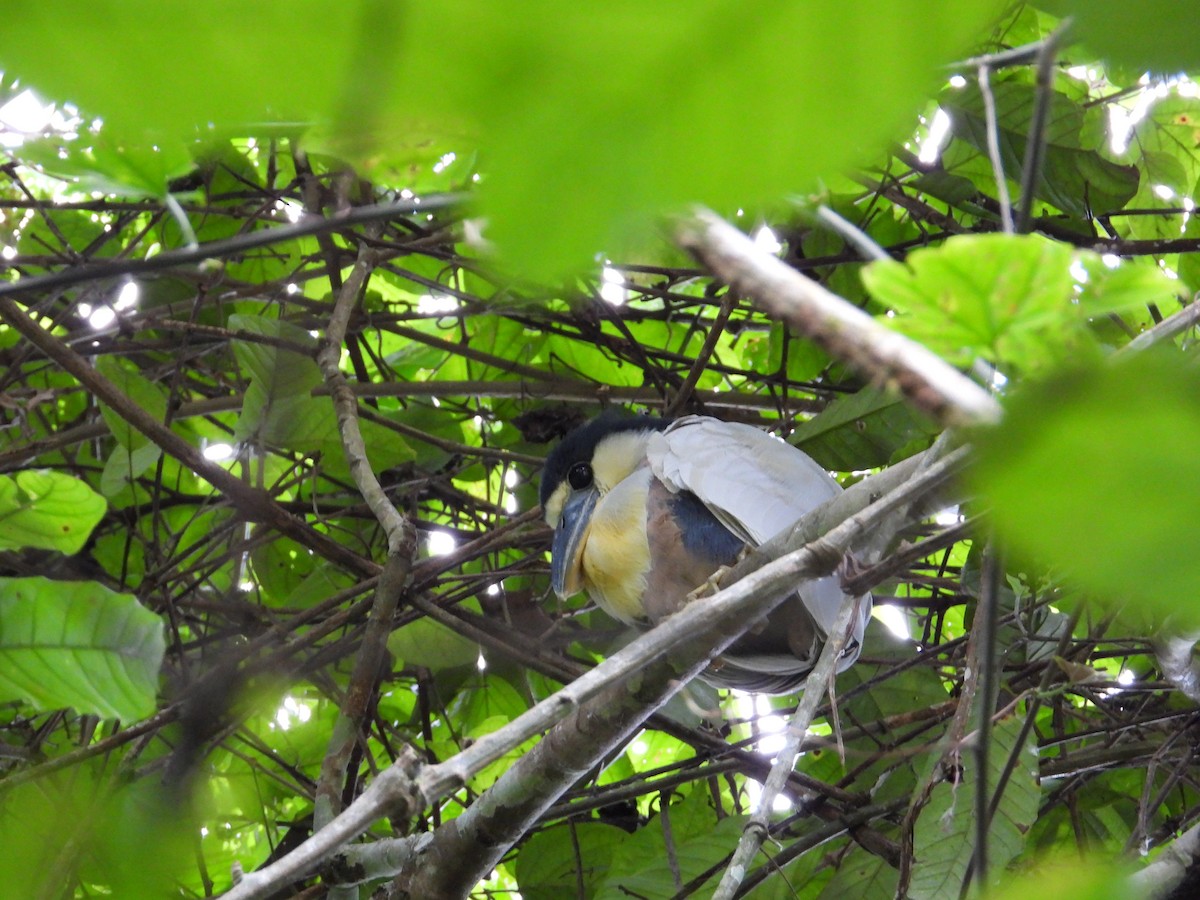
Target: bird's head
(578, 472)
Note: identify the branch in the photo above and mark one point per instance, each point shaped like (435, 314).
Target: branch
(692, 637)
(815, 688)
(1159, 880)
(840, 328)
(402, 545)
(256, 505)
(226, 247)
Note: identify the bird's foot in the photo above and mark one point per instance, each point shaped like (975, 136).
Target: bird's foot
(711, 584)
(848, 571)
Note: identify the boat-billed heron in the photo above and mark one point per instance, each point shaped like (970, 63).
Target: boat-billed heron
(645, 511)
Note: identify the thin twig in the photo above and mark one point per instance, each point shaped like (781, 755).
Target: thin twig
(986, 617)
(402, 542)
(253, 503)
(687, 389)
(758, 826)
(1035, 146)
(226, 247)
(993, 145)
(861, 241)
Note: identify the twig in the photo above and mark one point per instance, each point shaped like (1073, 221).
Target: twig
(1174, 324)
(986, 617)
(687, 389)
(842, 329)
(1035, 146)
(993, 145)
(253, 503)
(860, 239)
(402, 542)
(756, 829)
(226, 247)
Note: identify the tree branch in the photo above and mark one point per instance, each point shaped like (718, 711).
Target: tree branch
(842, 329)
(256, 505)
(692, 637)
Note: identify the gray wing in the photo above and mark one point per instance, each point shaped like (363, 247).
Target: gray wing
(756, 485)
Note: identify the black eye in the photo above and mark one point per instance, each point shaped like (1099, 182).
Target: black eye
(580, 476)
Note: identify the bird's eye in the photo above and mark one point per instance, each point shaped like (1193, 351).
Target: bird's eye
(580, 476)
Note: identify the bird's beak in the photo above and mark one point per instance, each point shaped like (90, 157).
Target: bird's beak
(566, 556)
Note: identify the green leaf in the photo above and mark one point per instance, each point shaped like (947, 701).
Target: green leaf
(279, 408)
(589, 130)
(1093, 473)
(641, 865)
(110, 165)
(1007, 298)
(142, 392)
(863, 876)
(554, 862)
(1160, 37)
(47, 510)
(944, 834)
(1075, 177)
(860, 431)
(432, 645)
(1068, 876)
(1131, 284)
(124, 465)
(78, 644)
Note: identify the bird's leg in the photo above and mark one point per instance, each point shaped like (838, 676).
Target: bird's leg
(848, 570)
(710, 585)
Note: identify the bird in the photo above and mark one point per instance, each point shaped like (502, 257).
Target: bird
(646, 510)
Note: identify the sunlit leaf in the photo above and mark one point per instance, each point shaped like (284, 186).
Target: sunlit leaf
(1006, 298)
(78, 644)
(47, 510)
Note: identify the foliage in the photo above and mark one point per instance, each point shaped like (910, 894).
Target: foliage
(168, 644)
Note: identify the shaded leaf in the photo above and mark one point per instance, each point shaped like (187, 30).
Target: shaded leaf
(553, 863)
(944, 834)
(860, 431)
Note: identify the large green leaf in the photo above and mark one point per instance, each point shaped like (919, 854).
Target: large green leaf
(78, 644)
(554, 862)
(1161, 37)
(135, 452)
(628, 109)
(47, 510)
(279, 408)
(863, 876)
(1093, 472)
(944, 834)
(1011, 299)
(641, 866)
(1075, 176)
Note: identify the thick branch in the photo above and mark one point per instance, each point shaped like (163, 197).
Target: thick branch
(693, 636)
(839, 327)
